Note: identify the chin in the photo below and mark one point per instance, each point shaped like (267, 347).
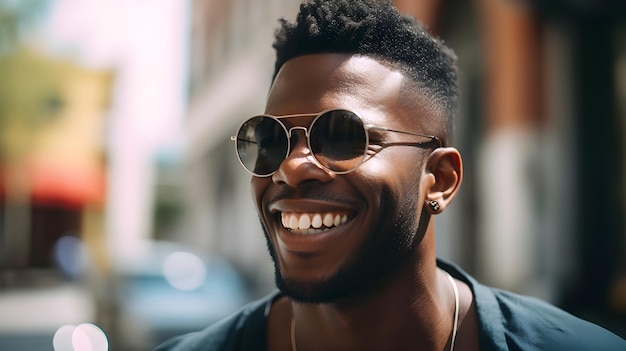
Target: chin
(367, 272)
(368, 268)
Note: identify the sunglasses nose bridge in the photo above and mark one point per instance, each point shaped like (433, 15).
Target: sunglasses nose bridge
(300, 165)
(300, 147)
(304, 129)
(290, 133)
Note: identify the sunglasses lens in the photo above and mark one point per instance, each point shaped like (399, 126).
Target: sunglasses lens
(338, 140)
(262, 145)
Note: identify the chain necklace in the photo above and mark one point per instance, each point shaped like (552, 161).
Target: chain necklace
(454, 326)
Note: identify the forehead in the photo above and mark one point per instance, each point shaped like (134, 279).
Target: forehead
(313, 83)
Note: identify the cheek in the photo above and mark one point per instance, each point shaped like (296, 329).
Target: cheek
(387, 188)
(400, 170)
(258, 187)
(396, 183)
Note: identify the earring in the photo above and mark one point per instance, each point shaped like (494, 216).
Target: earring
(434, 205)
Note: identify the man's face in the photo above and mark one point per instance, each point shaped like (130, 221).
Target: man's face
(378, 205)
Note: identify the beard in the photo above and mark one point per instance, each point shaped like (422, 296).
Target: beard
(383, 252)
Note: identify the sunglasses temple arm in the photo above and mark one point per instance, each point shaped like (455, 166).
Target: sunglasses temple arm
(431, 137)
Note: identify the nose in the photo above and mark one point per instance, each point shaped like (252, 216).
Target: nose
(300, 167)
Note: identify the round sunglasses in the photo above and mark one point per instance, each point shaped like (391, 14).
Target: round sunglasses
(338, 140)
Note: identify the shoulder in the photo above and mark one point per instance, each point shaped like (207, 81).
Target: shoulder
(239, 331)
(530, 323)
(509, 321)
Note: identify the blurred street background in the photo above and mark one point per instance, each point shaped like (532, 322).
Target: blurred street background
(125, 215)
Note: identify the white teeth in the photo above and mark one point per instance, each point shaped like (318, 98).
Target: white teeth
(285, 220)
(293, 223)
(305, 222)
(328, 220)
(312, 223)
(317, 221)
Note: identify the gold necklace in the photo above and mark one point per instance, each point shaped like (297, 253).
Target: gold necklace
(455, 325)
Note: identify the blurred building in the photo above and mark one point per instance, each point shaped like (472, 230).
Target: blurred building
(52, 191)
(52, 156)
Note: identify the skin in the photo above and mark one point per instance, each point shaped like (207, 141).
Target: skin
(403, 301)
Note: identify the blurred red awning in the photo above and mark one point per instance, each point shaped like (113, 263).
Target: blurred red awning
(60, 186)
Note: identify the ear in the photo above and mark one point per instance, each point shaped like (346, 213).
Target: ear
(444, 173)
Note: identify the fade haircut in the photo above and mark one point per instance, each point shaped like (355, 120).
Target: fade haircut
(375, 29)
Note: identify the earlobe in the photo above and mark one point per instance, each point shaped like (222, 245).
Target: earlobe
(434, 206)
(445, 168)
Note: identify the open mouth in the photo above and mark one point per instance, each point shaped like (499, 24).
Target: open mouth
(312, 223)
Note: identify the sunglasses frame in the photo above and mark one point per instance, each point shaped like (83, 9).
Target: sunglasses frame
(288, 131)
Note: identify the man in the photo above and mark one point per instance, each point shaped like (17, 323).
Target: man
(349, 163)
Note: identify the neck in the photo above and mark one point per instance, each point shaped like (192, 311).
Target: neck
(415, 307)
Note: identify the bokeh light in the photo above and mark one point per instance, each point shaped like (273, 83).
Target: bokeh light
(84, 337)
(71, 255)
(62, 340)
(184, 271)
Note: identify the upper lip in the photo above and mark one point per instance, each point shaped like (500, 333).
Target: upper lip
(308, 205)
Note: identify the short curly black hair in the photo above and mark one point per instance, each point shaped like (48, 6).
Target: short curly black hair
(376, 29)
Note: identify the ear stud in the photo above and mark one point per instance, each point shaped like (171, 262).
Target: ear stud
(434, 205)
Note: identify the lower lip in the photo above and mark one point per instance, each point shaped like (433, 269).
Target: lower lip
(307, 243)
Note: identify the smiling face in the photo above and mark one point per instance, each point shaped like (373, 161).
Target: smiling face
(330, 235)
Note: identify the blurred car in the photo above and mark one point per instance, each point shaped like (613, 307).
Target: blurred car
(167, 290)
